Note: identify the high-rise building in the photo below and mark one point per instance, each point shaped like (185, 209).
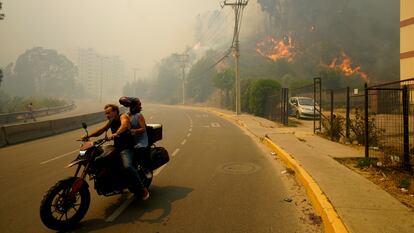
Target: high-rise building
(101, 76)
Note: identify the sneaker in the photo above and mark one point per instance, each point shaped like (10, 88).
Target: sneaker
(145, 194)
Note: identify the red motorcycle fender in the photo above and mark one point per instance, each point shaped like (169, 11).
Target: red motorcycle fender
(77, 184)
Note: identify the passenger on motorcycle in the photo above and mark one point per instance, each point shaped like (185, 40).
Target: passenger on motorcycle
(120, 127)
(138, 131)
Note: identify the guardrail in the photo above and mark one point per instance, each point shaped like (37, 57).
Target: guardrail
(13, 134)
(8, 118)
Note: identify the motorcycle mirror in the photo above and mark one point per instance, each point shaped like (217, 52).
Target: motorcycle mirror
(84, 125)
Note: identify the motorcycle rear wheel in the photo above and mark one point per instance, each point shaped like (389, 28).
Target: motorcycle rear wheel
(60, 209)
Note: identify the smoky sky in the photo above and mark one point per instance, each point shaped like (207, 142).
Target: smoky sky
(140, 32)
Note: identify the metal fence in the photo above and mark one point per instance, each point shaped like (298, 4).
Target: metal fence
(380, 117)
(389, 123)
(276, 106)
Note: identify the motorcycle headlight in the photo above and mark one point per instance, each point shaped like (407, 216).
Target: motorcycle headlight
(82, 152)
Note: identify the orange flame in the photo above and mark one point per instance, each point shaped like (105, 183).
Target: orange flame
(346, 68)
(276, 49)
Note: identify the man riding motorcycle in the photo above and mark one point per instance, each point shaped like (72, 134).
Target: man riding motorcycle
(123, 142)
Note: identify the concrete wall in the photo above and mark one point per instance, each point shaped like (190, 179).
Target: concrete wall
(3, 141)
(25, 132)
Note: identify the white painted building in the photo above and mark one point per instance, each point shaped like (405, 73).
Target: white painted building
(101, 76)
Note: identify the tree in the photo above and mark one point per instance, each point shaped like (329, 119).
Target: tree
(40, 71)
(225, 81)
(167, 85)
(199, 80)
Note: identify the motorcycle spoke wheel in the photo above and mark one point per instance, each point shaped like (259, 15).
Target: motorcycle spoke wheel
(60, 209)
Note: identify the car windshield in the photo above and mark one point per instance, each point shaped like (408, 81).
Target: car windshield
(306, 102)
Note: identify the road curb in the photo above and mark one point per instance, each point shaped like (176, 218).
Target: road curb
(331, 220)
(320, 202)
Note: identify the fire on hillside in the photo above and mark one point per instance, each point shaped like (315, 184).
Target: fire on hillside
(346, 68)
(276, 49)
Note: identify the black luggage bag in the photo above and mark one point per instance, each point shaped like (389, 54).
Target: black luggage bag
(158, 157)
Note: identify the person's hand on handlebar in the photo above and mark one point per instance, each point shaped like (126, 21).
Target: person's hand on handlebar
(114, 135)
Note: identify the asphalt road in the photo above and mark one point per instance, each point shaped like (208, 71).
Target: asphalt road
(218, 180)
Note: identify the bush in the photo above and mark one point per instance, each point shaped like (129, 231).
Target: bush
(333, 131)
(366, 162)
(357, 126)
(258, 94)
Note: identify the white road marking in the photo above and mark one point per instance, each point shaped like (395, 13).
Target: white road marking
(120, 209)
(175, 152)
(190, 129)
(132, 197)
(189, 134)
(60, 156)
(215, 124)
(158, 171)
(183, 142)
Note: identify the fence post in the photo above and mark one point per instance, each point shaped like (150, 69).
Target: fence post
(320, 105)
(332, 115)
(317, 82)
(285, 99)
(314, 106)
(347, 113)
(366, 122)
(405, 99)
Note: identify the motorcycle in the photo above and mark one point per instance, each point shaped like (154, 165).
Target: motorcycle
(66, 203)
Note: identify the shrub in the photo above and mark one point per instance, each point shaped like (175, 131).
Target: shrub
(333, 131)
(366, 162)
(357, 126)
(258, 94)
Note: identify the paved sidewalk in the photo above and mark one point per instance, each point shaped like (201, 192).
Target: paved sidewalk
(362, 205)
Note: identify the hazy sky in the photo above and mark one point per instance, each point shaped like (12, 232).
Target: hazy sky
(140, 32)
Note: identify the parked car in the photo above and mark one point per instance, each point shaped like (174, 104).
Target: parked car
(302, 107)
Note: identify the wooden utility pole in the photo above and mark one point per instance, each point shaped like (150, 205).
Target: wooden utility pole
(238, 7)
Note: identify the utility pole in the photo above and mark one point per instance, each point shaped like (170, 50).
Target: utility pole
(1, 14)
(101, 80)
(135, 81)
(238, 7)
(183, 58)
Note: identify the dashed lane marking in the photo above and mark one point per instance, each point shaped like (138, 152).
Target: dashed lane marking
(183, 142)
(60, 156)
(131, 197)
(175, 152)
(189, 134)
(117, 212)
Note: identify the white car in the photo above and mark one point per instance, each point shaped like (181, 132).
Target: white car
(302, 107)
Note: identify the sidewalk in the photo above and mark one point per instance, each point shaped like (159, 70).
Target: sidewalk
(362, 206)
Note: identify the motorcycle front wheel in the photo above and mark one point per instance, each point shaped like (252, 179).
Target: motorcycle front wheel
(62, 209)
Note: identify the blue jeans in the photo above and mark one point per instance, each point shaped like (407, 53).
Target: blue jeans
(127, 156)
